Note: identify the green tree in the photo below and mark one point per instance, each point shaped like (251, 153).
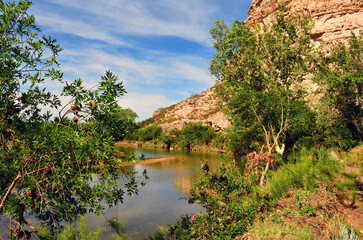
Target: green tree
(195, 133)
(121, 123)
(53, 170)
(341, 78)
(127, 113)
(149, 133)
(260, 70)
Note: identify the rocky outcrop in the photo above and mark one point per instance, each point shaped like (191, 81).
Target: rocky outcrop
(198, 108)
(333, 19)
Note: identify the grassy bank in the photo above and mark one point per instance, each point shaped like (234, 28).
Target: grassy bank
(317, 197)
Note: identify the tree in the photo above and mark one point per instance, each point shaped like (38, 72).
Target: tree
(149, 133)
(194, 133)
(341, 77)
(121, 123)
(53, 170)
(260, 70)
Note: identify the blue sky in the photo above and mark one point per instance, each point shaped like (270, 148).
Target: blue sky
(160, 49)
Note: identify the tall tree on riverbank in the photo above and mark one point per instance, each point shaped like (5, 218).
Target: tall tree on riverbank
(47, 167)
(260, 70)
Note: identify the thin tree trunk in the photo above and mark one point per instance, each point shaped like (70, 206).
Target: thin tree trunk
(264, 174)
(7, 194)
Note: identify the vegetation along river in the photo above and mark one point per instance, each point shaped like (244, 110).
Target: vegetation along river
(163, 199)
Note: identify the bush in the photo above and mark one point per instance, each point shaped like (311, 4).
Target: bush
(230, 203)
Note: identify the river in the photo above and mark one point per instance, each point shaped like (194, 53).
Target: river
(163, 199)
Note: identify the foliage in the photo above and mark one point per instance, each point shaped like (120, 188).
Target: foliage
(149, 133)
(81, 232)
(119, 227)
(341, 78)
(243, 142)
(120, 123)
(195, 133)
(191, 135)
(280, 230)
(302, 203)
(229, 201)
(260, 71)
(310, 167)
(48, 168)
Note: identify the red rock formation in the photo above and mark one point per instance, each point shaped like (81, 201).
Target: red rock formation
(333, 19)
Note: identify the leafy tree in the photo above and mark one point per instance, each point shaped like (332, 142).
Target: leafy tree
(341, 78)
(53, 170)
(127, 113)
(149, 133)
(121, 123)
(194, 133)
(260, 70)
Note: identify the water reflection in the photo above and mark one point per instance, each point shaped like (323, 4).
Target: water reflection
(162, 200)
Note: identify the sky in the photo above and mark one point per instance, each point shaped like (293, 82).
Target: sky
(160, 49)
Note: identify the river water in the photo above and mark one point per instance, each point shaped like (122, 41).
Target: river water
(163, 199)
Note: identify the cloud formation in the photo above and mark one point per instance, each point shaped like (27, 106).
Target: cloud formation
(159, 48)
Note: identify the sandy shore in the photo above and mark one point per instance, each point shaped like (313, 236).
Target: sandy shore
(149, 161)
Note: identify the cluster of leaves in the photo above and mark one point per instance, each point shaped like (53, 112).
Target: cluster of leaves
(341, 79)
(149, 133)
(53, 170)
(195, 133)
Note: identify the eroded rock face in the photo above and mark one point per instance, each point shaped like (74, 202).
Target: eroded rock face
(198, 108)
(333, 19)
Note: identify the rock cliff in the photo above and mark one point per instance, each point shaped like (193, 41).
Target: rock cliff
(198, 108)
(333, 20)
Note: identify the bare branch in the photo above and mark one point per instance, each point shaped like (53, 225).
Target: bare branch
(11, 187)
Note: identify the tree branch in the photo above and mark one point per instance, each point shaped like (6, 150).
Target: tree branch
(267, 135)
(7, 194)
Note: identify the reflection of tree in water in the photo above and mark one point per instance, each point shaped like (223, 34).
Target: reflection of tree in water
(184, 184)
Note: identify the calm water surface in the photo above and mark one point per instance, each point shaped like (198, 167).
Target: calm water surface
(162, 200)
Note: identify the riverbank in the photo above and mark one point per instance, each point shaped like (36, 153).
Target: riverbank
(148, 161)
(159, 145)
(320, 196)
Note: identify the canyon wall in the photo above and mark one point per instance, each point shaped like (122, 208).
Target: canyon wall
(333, 20)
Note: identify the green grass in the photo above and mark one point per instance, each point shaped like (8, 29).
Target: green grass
(277, 230)
(306, 173)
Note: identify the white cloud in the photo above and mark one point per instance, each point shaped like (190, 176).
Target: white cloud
(188, 19)
(78, 28)
(191, 72)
